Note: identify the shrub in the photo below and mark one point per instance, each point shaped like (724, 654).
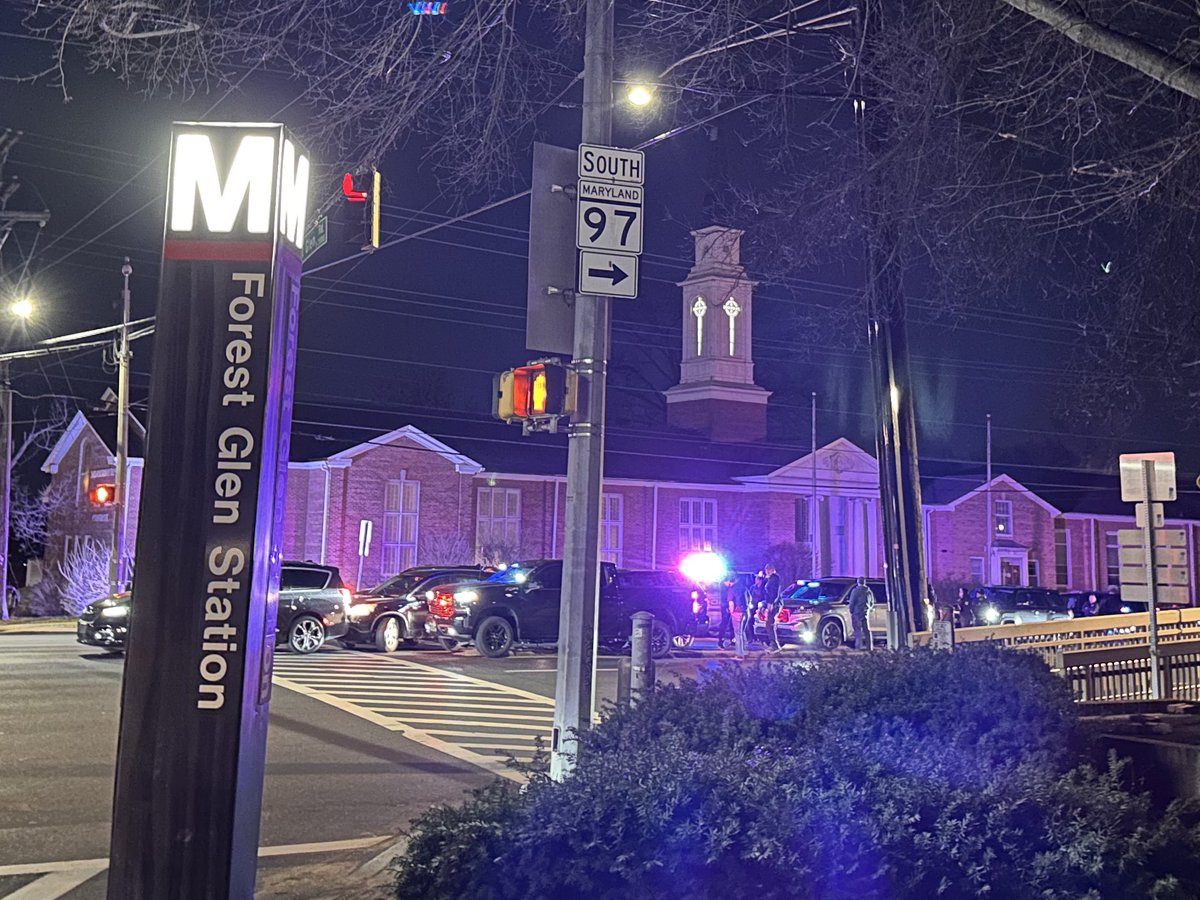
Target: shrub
(888, 776)
(41, 599)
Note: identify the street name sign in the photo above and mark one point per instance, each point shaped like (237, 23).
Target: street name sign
(608, 274)
(316, 237)
(608, 217)
(200, 650)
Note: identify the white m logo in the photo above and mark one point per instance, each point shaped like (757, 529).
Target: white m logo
(248, 181)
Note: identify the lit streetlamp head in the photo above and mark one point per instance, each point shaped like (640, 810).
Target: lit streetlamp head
(22, 308)
(640, 95)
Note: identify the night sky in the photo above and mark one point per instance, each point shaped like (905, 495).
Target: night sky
(414, 333)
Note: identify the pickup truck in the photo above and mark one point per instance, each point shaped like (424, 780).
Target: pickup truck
(519, 606)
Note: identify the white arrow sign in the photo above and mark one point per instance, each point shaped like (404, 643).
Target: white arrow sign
(607, 274)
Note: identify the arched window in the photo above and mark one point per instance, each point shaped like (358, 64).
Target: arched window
(699, 308)
(731, 309)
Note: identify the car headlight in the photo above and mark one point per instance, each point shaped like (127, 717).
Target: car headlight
(362, 609)
(113, 611)
(991, 614)
(466, 596)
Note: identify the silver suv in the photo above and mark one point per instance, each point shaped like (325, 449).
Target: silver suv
(815, 612)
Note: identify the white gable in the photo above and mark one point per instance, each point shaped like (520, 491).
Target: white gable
(841, 467)
(1000, 483)
(462, 464)
(65, 441)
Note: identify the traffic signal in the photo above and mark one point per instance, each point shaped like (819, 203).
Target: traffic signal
(535, 391)
(101, 494)
(366, 191)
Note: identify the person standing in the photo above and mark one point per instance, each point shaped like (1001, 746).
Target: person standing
(741, 599)
(725, 630)
(756, 603)
(861, 601)
(771, 596)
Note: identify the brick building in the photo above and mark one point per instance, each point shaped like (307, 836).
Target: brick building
(489, 495)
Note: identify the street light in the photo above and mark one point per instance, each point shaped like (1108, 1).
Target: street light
(22, 308)
(640, 95)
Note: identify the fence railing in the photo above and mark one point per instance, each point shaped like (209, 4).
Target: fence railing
(1107, 657)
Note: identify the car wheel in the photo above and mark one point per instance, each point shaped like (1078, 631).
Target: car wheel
(449, 644)
(683, 641)
(661, 639)
(494, 637)
(387, 635)
(306, 635)
(830, 634)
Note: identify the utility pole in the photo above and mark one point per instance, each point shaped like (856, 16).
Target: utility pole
(575, 689)
(989, 528)
(812, 515)
(887, 336)
(117, 577)
(5, 483)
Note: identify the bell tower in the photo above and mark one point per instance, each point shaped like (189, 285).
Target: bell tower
(716, 393)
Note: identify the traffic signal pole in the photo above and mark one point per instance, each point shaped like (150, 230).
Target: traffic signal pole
(117, 566)
(575, 689)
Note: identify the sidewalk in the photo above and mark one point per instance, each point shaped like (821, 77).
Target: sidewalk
(38, 625)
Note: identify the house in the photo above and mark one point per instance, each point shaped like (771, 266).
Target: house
(482, 493)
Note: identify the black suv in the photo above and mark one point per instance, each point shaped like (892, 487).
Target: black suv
(313, 605)
(520, 605)
(394, 611)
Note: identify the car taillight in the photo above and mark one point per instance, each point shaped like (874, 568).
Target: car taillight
(762, 615)
(442, 604)
(783, 616)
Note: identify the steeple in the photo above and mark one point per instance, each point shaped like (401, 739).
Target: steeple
(716, 393)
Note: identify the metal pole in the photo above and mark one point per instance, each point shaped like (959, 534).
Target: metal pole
(5, 484)
(989, 528)
(575, 690)
(641, 672)
(1151, 576)
(117, 576)
(812, 514)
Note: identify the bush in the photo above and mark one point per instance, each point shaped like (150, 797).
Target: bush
(41, 599)
(885, 776)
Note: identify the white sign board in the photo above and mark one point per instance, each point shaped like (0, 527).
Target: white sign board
(1163, 537)
(1172, 594)
(365, 527)
(1132, 484)
(608, 274)
(612, 164)
(609, 217)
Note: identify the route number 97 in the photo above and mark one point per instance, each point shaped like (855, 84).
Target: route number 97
(607, 226)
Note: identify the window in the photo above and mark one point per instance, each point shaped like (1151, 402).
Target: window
(697, 524)
(1002, 513)
(1112, 560)
(731, 309)
(610, 529)
(1062, 566)
(498, 521)
(803, 524)
(401, 499)
(1034, 571)
(977, 570)
(298, 579)
(699, 308)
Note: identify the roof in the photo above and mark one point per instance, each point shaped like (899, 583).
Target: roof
(104, 426)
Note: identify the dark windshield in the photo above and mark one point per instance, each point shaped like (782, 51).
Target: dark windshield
(1014, 600)
(816, 592)
(397, 584)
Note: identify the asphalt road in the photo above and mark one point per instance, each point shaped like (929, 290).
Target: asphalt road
(359, 744)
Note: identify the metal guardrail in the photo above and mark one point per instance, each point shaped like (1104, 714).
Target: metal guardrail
(1106, 657)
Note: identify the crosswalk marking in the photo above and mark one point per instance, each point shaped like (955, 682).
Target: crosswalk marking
(472, 719)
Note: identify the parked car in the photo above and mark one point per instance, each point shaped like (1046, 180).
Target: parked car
(394, 611)
(520, 605)
(313, 607)
(671, 580)
(1015, 605)
(816, 612)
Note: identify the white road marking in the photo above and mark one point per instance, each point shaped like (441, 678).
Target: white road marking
(61, 877)
(442, 709)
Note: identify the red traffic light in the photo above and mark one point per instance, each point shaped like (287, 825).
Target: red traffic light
(348, 189)
(101, 494)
